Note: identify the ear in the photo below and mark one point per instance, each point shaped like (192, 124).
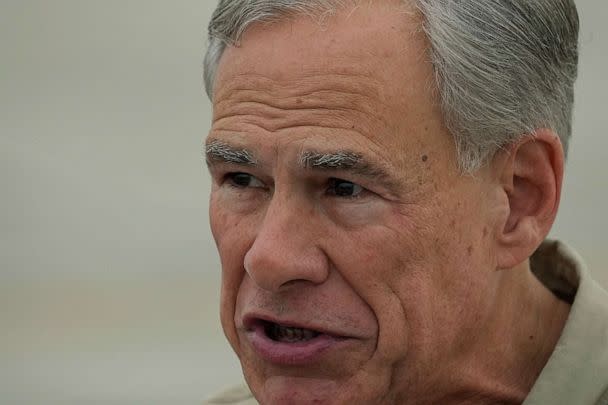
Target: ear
(530, 173)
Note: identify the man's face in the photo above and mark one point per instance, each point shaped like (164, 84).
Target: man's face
(355, 258)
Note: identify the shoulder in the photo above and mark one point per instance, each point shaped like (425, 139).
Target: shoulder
(237, 395)
(577, 371)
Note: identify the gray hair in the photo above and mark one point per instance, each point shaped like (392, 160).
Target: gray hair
(503, 68)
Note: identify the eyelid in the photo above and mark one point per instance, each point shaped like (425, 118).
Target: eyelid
(260, 184)
(230, 176)
(362, 192)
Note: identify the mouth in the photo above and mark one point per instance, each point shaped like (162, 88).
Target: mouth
(286, 334)
(289, 344)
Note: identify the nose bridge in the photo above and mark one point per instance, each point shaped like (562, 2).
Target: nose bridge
(283, 216)
(285, 248)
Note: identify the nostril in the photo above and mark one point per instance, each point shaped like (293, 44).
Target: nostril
(296, 282)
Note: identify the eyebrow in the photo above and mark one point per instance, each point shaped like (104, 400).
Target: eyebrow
(220, 152)
(340, 161)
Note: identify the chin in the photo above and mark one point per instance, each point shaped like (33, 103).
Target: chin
(297, 390)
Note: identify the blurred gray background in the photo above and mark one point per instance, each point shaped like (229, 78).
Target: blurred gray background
(109, 280)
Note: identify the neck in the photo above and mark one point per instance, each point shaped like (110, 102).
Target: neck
(520, 333)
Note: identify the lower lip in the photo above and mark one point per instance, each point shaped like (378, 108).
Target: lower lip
(290, 354)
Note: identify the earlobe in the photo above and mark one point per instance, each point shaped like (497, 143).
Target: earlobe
(531, 173)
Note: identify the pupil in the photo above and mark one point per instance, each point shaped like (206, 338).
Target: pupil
(344, 188)
(241, 179)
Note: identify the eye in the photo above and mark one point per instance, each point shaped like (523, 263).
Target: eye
(243, 180)
(344, 189)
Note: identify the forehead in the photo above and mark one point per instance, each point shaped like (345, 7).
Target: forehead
(360, 43)
(352, 41)
(364, 68)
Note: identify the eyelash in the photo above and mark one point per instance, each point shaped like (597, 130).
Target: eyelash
(334, 181)
(230, 179)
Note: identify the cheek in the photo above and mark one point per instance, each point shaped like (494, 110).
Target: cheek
(372, 259)
(443, 290)
(418, 275)
(232, 231)
(231, 234)
(356, 214)
(223, 216)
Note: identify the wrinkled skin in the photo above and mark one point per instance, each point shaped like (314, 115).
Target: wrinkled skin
(405, 265)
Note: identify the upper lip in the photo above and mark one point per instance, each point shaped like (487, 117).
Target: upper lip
(250, 320)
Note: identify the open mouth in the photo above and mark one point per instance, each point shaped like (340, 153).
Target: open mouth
(289, 344)
(288, 334)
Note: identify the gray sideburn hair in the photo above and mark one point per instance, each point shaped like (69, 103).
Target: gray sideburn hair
(503, 68)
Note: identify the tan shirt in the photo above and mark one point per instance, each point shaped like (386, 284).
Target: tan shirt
(577, 371)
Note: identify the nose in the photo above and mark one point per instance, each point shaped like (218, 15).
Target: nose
(285, 250)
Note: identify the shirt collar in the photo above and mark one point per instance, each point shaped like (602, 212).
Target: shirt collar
(577, 371)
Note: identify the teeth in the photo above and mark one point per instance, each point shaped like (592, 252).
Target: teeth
(308, 334)
(290, 335)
